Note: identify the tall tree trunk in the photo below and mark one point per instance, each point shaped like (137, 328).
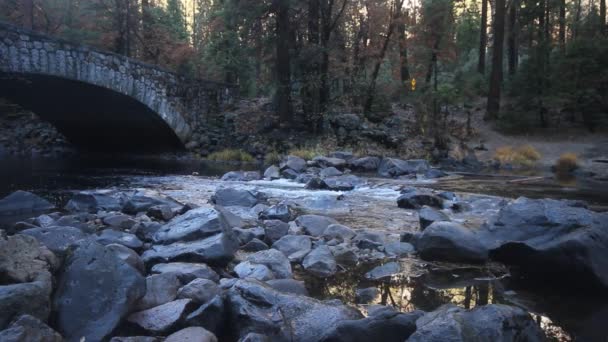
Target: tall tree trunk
(483, 37)
(311, 88)
(328, 24)
(404, 68)
(512, 42)
(603, 17)
(282, 64)
(496, 75)
(577, 18)
(562, 25)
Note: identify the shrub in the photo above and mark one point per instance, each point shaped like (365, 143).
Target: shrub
(231, 155)
(525, 155)
(504, 154)
(567, 162)
(306, 153)
(272, 158)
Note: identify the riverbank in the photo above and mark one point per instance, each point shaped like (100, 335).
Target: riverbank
(342, 247)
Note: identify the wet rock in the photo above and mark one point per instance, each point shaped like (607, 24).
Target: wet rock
(492, 322)
(398, 249)
(280, 212)
(20, 204)
(367, 295)
(57, 239)
(24, 259)
(196, 224)
(160, 289)
(386, 327)
(449, 241)
(192, 334)
(339, 232)
(139, 203)
(272, 173)
(429, 215)
(383, 272)
(434, 173)
(254, 245)
(110, 236)
(216, 250)
(326, 162)
(31, 298)
(315, 183)
(161, 212)
(236, 197)
(127, 255)
(291, 244)
(95, 291)
(256, 307)
(292, 286)
(241, 176)
(199, 290)
(448, 195)
(314, 225)
(305, 178)
(342, 183)
(93, 202)
(209, 315)
(330, 172)
(163, 318)
(366, 164)
(289, 174)
(119, 221)
(275, 229)
(187, 272)
(294, 163)
(392, 167)
(320, 262)
(247, 269)
(275, 260)
(416, 200)
(549, 238)
(28, 328)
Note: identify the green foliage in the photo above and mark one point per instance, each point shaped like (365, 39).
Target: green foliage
(233, 155)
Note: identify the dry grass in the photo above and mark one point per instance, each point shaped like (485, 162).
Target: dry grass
(233, 155)
(567, 162)
(307, 153)
(525, 155)
(272, 158)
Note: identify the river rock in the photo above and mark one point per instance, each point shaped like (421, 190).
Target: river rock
(549, 238)
(160, 289)
(339, 232)
(330, 172)
(275, 229)
(120, 221)
(31, 298)
(365, 164)
(241, 176)
(254, 245)
(127, 255)
(23, 259)
(95, 291)
(366, 295)
(57, 239)
(194, 225)
(289, 174)
(383, 272)
(136, 339)
(345, 255)
(275, 260)
(44, 221)
(163, 318)
(291, 244)
(492, 322)
(320, 262)
(247, 269)
(199, 290)
(187, 272)
(386, 326)
(161, 212)
(192, 334)
(209, 315)
(280, 212)
(218, 249)
(294, 163)
(392, 167)
(236, 197)
(369, 239)
(315, 225)
(272, 173)
(292, 286)
(110, 236)
(254, 337)
(450, 241)
(416, 200)
(342, 183)
(256, 307)
(28, 328)
(428, 215)
(398, 248)
(93, 202)
(326, 162)
(139, 203)
(146, 230)
(22, 204)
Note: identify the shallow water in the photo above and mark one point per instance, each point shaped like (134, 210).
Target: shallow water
(419, 285)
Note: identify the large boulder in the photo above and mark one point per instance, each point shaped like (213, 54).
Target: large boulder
(428, 215)
(218, 249)
(365, 164)
(160, 289)
(119, 221)
(127, 255)
(392, 167)
(272, 172)
(247, 269)
(315, 225)
(31, 298)
(28, 328)
(111, 236)
(22, 204)
(194, 225)
(292, 244)
(187, 272)
(416, 200)
(294, 163)
(93, 202)
(57, 239)
(280, 212)
(23, 259)
(276, 261)
(386, 326)
(199, 290)
(548, 239)
(493, 322)
(326, 162)
(339, 232)
(320, 262)
(140, 203)
(228, 197)
(95, 291)
(450, 241)
(209, 315)
(257, 308)
(275, 229)
(241, 176)
(342, 183)
(163, 318)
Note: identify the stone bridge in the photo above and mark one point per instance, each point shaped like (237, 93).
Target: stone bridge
(102, 100)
